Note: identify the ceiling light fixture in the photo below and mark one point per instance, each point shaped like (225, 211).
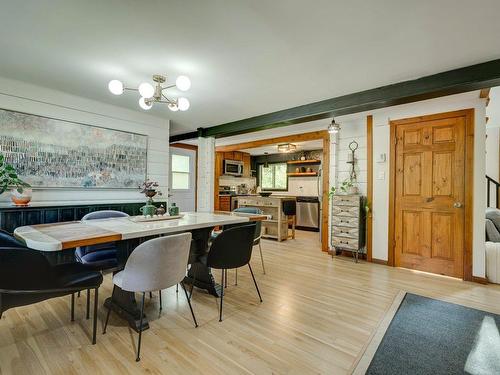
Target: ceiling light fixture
(151, 94)
(287, 147)
(334, 127)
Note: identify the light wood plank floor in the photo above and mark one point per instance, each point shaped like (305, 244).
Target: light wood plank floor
(318, 315)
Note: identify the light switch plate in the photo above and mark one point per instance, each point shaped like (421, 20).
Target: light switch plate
(381, 175)
(381, 158)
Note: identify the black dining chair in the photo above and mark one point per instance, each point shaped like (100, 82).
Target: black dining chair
(101, 257)
(7, 240)
(26, 277)
(232, 248)
(290, 211)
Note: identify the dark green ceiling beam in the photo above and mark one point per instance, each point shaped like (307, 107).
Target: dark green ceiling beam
(455, 81)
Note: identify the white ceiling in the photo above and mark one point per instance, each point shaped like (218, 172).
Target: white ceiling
(244, 58)
(273, 149)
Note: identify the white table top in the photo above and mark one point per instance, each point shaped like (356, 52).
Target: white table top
(59, 236)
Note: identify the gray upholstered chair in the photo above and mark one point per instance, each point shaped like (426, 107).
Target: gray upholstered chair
(155, 265)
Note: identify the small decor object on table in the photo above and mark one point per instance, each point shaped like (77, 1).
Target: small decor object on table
(160, 211)
(149, 189)
(173, 210)
(20, 191)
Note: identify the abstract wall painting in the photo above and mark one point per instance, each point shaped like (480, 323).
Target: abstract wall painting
(51, 153)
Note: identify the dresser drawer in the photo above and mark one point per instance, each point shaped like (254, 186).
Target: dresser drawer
(350, 211)
(343, 221)
(346, 243)
(345, 232)
(347, 200)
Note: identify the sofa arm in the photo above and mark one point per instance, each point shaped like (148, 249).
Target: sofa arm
(493, 262)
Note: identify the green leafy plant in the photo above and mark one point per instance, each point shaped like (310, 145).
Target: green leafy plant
(346, 184)
(9, 178)
(332, 192)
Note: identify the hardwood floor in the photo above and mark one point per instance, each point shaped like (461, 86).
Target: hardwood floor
(318, 315)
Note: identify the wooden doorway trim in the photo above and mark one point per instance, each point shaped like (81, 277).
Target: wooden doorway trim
(468, 114)
(317, 135)
(187, 146)
(369, 190)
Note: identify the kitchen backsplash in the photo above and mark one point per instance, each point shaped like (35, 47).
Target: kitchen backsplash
(303, 186)
(235, 181)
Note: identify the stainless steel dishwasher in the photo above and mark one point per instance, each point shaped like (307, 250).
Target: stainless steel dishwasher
(308, 213)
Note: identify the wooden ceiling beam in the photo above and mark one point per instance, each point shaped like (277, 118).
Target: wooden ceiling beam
(470, 78)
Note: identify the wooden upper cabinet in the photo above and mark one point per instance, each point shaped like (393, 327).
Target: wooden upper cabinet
(246, 165)
(229, 155)
(237, 155)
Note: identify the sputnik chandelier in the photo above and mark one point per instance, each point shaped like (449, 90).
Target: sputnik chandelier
(155, 94)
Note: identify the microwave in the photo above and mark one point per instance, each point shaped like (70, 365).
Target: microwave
(233, 167)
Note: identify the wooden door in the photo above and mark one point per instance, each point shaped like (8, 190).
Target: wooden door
(429, 194)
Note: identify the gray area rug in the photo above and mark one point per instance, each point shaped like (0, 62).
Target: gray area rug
(427, 336)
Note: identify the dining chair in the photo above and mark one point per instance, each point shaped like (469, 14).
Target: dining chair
(26, 277)
(290, 211)
(232, 248)
(155, 265)
(257, 236)
(101, 257)
(8, 240)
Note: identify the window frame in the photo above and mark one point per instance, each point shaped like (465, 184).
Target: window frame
(259, 169)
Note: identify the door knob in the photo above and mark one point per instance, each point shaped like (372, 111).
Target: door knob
(457, 204)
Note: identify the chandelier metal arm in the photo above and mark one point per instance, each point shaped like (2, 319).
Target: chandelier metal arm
(170, 101)
(167, 87)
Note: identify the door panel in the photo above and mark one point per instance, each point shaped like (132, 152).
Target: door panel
(184, 197)
(429, 180)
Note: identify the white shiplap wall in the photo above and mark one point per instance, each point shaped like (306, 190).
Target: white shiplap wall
(352, 130)
(23, 97)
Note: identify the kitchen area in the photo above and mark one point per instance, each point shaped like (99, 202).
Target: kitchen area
(270, 177)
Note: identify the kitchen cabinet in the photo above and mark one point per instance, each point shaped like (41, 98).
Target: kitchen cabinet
(219, 161)
(224, 203)
(246, 165)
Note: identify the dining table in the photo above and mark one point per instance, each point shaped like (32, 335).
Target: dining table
(127, 233)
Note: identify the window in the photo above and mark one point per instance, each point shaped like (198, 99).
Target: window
(180, 172)
(273, 177)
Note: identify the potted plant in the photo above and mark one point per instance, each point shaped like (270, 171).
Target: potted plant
(149, 189)
(21, 192)
(348, 187)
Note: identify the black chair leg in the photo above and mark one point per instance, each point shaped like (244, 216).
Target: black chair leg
(78, 294)
(96, 303)
(255, 282)
(88, 304)
(192, 284)
(177, 288)
(225, 278)
(159, 292)
(189, 303)
(140, 330)
(106, 322)
(221, 295)
(107, 315)
(72, 307)
(150, 295)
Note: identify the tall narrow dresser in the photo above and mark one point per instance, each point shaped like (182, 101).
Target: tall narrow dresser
(348, 224)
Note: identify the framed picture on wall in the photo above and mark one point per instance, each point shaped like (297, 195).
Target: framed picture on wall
(52, 153)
